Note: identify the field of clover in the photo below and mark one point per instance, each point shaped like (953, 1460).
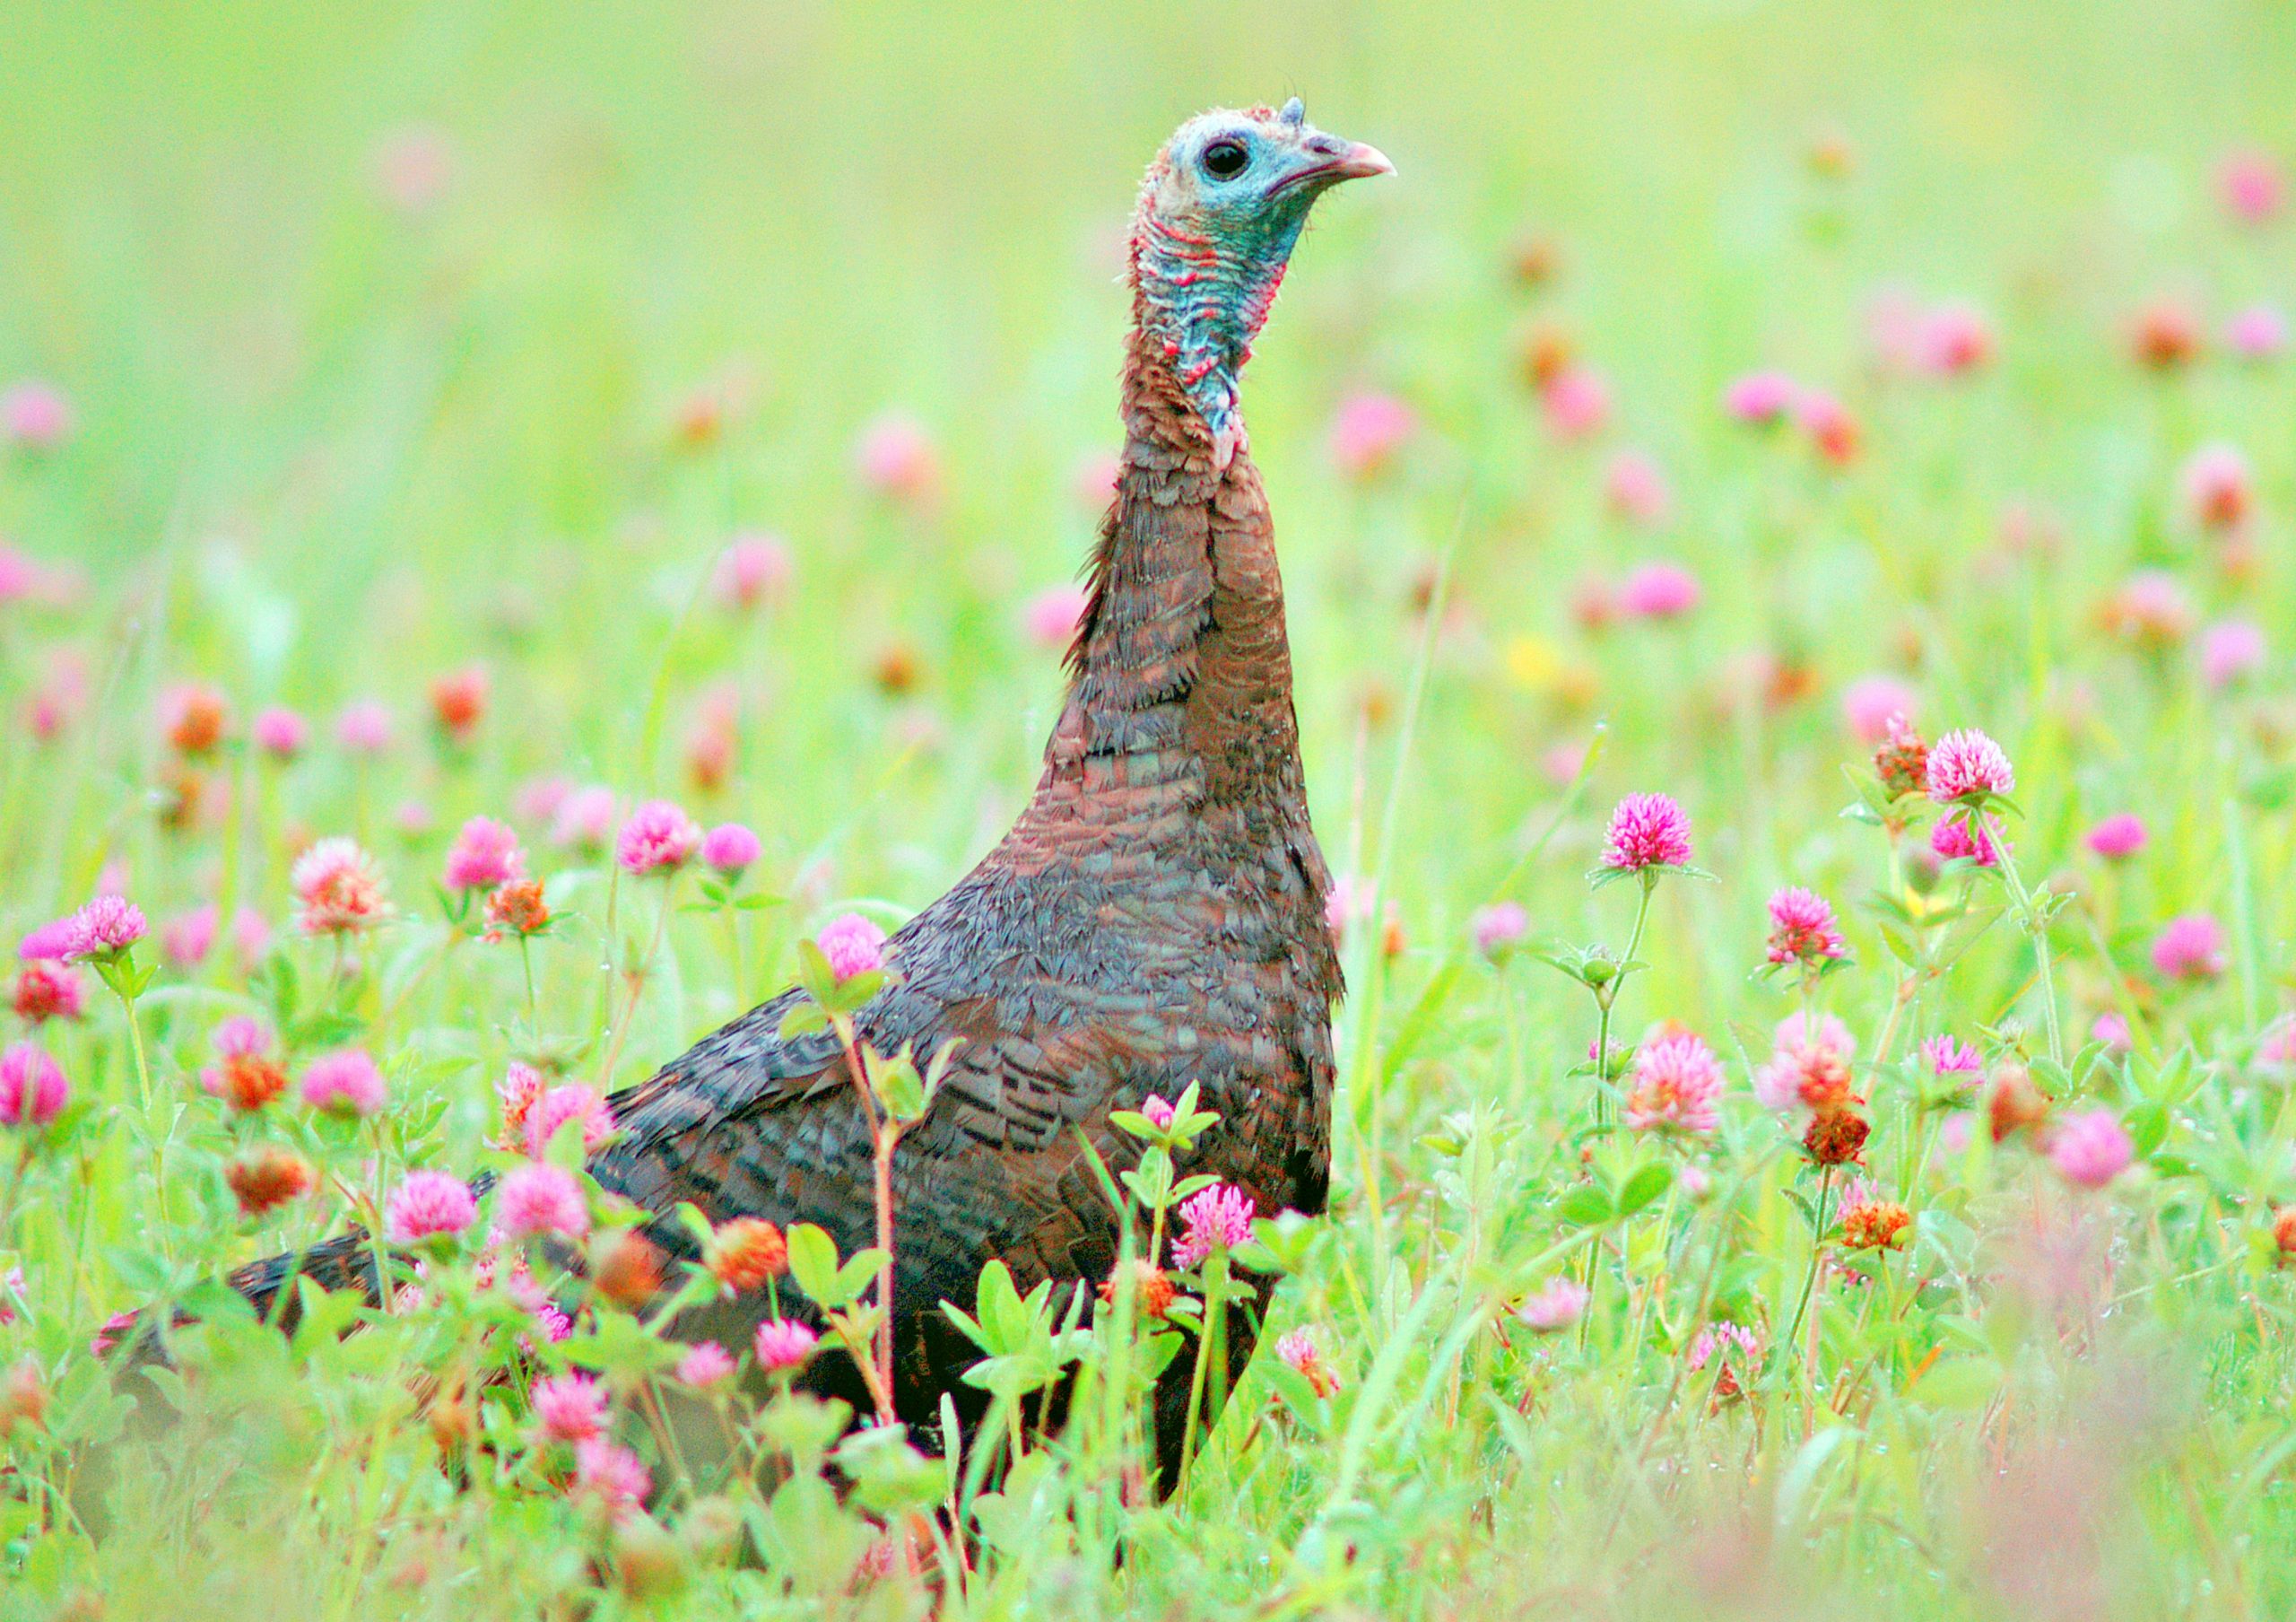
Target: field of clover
(521, 539)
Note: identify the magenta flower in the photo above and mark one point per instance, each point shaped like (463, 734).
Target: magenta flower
(2258, 333)
(1051, 617)
(1802, 929)
(1808, 1066)
(1677, 1082)
(1761, 398)
(1297, 1351)
(2190, 946)
(32, 1088)
(518, 1093)
(2119, 837)
(484, 855)
(1636, 488)
(2231, 651)
(458, 701)
(107, 1335)
(553, 1109)
(338, 889)
(1219, 1218)
(20, 578)
(1658, 591)
(1646, 831)
(2219, 488)
(1577, 403)
(36, 415)
(2249, 181)
(428, 1205)
(611, 1474)
(278, 733)
(538, 799)
(2112, 1030)
(571, 1408)
(343, 1083)
(853, 945)
(705, 1364)
(730, 847)
(1953, 340)
(363, 727)
(46, 990)
(1368, 431)
(241, 1036)
(1727, 1339)
(2151, 609)
(1953, 838)
(1499, 927)
(1949, 1056)
(1872, 701)
(51, 942)
(754, 569)
(105, 926)
(1160, 1112)
(1965, 763)
(538, 1198)
(2089, 1149)
(185, 940)
(783, 1344)
(659, 838)
(1832, 431)
(584, 818)
(898, 460)
(250, 936)
(1555, 1306)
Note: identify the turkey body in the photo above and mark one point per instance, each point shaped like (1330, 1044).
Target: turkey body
(1155, 918)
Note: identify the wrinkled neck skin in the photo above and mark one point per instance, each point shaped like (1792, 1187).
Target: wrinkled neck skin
(1179, 727)
(1202, 295)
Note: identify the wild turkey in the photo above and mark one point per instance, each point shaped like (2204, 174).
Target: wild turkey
(1155, 917)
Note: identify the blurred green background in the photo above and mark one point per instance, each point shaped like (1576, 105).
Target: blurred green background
(870, 203)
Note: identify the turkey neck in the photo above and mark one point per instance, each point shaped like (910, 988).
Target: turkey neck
(1179, 694)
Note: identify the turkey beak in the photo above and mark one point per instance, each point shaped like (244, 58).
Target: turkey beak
(1362, 162)
(1333, 164)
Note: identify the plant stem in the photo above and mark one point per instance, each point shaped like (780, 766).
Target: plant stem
(1215, 1311)
(2036, 927)
(526, 959)
(1817, 1253)
(637, 990)
(1608, 995)
(159, 1144)
(884, 1134)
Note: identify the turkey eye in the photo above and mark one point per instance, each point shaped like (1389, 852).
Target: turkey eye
(1224, 160)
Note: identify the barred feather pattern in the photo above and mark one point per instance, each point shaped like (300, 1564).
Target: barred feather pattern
(1154, 917)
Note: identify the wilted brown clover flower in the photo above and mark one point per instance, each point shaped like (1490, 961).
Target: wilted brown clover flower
(1836, 1137)
(745, 1253)
(265, 1178)
(1902, 760)
(517, 909)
